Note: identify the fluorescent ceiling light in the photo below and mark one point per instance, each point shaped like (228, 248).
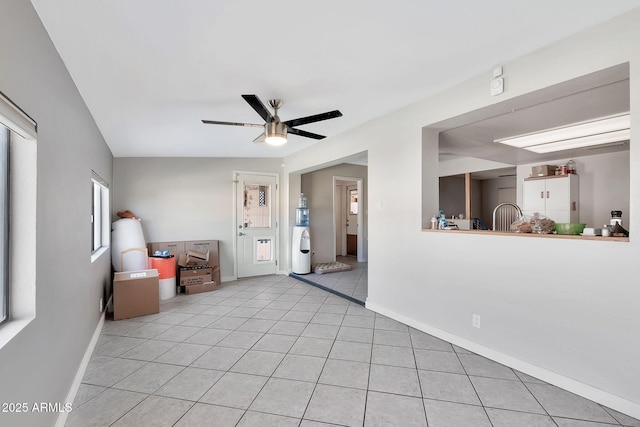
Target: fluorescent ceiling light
(585, 134)
(585, 141)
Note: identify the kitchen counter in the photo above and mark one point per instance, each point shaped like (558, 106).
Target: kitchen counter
(532, 235)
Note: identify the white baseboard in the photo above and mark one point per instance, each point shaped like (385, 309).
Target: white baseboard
(62, 418)
(609, 400)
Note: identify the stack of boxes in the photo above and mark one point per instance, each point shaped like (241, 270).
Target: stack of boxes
(136, 290)
(198, 263)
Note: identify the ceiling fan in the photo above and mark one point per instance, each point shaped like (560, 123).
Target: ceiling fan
(275, 131)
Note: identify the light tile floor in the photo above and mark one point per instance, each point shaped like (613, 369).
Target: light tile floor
(274, 351)
(353, 283)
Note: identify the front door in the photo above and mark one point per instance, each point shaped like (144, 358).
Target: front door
(256, 224)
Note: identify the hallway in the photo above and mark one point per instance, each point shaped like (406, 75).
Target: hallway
(352, 283)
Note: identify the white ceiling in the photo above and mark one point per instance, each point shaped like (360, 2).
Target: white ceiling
(150, 70)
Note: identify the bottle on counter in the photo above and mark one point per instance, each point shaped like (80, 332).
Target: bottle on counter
(434, 223)
(571, 167)
(443, 223)
(616, 217)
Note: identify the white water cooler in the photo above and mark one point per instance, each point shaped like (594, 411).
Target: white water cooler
(301, 259)
(301, 244)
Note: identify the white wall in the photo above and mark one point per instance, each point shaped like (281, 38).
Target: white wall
(39, 364)
(185, 198)
(581, 333)
(319, 188)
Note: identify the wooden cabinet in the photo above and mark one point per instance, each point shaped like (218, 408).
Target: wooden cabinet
(555, 197)
(352, 244)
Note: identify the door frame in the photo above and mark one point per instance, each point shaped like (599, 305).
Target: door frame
(234, 206)
(359, 185)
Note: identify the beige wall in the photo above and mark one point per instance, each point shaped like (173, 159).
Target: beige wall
(185, 198)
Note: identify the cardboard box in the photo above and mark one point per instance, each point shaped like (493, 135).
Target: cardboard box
(174, 248)
(543, 170)
(202, 253)
(194, 275)
(202, 287)
(135, 293)
(194, 258)
(202, 246)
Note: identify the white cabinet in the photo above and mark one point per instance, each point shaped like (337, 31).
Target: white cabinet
(555, 197)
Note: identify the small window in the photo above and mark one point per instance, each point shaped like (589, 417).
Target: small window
(100, 227)
(18, 198)
(257, 213)
(4, 223)
(353, 202)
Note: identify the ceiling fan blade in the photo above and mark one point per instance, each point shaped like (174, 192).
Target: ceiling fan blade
(314, 118)
(261, 138)
(305, 133)
(257, 105)
(215, 122)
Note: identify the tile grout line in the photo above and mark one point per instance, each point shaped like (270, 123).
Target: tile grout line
(322, 370)
(535, 398)
(271, 376)
(266, 382)
(473, 386)
(261, 388)
(422, 398)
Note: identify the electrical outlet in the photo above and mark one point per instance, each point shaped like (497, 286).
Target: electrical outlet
(475, 321)
(101, 305)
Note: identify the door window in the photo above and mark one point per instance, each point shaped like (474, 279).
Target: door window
(257, 202)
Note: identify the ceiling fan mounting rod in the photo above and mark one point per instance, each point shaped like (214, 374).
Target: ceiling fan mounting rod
(275, 104)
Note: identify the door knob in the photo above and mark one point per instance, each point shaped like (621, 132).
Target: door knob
(240, 234)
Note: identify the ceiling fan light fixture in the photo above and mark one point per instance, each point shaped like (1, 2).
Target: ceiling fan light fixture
(275, 133)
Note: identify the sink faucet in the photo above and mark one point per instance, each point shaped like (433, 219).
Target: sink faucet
(517, 208)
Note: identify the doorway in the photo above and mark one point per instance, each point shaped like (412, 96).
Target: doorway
(348, 217)
(255, 223)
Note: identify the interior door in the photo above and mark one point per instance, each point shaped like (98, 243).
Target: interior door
(256, 224)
